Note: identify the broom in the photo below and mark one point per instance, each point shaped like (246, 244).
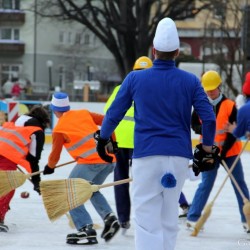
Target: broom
(61, 196)
(207, 211)
(246, 206)
(13, 179)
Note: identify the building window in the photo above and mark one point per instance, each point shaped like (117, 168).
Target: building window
(61, 37)
(185, 48)
(9, 71)
(6, 34)
(184, 9)
(86, 39)
(16, 34)
(9, 34)
(10, 4)
(70, 38)
(220, 9)
(78, 38)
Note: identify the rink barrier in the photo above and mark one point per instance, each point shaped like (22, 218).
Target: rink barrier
(48, 139)
(97, 107)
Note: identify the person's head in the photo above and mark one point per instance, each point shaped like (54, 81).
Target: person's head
(41, 114)
(246, 86)
(211, 82)
(143, 62)
(59, 103)
(166, 41)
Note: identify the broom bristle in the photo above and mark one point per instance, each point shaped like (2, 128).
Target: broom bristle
(246, 211)
(61, 196)
(10, 180)
(199, 224)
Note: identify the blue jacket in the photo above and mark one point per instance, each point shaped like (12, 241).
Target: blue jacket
(243, 120)
(163, 97)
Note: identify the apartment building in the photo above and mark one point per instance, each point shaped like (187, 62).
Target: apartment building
(49, 53)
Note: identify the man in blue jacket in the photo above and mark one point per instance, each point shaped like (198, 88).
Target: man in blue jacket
(163, 97)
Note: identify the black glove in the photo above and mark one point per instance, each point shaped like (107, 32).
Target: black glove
(203, 161)
(36, 181)
(221, 156)
(48, 170)
(101, 147)
(112, 146)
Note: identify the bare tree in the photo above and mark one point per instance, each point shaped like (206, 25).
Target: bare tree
(125, 27)
(223, 40)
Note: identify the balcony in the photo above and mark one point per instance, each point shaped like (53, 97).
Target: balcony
(14, 48)
(12, 16)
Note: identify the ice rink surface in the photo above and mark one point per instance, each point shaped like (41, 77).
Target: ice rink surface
(31, 229)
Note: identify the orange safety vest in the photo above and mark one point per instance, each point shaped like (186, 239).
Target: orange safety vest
(225, 111)
(79, 127)
(14, 143)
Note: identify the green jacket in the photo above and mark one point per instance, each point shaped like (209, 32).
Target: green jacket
(124, 132)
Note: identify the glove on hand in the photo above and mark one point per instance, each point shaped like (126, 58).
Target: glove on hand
(101, 147)
(221, 156)
(112, 146)
(203, 161)
(36, 181)
(48, 170)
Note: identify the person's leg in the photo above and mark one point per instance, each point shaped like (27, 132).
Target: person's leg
(239, 177)
(111, 225)
(182, 200)
(5, 200)
(152, 225)
(122, 196)
(183, 205)
(98, 200)
(179, 167)
(202, 194)
(79, 215)
(4, 204)
(96, 174)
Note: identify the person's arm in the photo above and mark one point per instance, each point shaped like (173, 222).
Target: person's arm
(243, 123)
(97, 118)
(58, 140)
(206, 114)
(35, 151)
(118, 108)
(230, 139)
(196, 123)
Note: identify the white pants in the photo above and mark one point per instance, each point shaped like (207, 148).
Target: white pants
(155, 208)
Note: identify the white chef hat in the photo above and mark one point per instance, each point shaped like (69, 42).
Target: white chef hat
(166, 36)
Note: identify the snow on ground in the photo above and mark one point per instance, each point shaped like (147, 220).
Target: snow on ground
(31, 229)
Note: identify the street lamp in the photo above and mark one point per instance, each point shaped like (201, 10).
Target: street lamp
(50, 65)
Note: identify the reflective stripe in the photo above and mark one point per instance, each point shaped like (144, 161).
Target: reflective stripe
(13, 145)
(87, 153)
(128, 118)
(81, 142)
(220, 132)
(20, 137)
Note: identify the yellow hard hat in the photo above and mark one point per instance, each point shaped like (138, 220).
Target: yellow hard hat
(210, 80)
(143, 62)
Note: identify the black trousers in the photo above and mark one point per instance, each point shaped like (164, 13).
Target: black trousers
(122, 196)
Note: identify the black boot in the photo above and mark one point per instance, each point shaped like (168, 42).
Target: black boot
(3, 228)
(111, 227)
(85, 236)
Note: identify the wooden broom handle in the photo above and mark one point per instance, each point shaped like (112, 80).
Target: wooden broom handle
(115, 183)
(58, 166)
(24, 173)
(231, 169)
(234, 181)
